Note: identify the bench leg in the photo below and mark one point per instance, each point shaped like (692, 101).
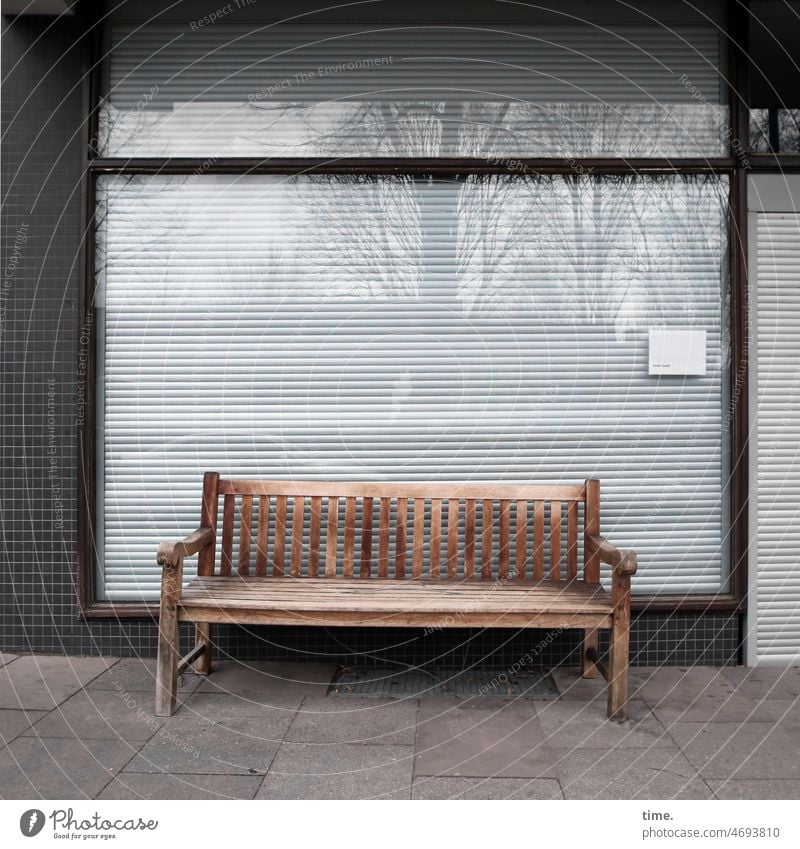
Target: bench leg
(168, 642)
(619, 649)
(588, 669)
(202, 665)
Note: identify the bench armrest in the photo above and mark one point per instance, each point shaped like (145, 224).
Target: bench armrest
(170, 553)
(624, 562)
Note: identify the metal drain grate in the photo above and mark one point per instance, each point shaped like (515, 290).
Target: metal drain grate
(421, 683)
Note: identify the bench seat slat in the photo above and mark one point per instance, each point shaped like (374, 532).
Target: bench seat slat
(418, 596)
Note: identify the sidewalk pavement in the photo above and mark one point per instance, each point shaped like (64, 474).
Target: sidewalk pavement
(83, 727)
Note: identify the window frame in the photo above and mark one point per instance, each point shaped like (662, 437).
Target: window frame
(95, 82)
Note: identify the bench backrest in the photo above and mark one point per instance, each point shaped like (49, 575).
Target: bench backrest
(456, 530)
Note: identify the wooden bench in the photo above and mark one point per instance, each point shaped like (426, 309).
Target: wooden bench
(466, 579)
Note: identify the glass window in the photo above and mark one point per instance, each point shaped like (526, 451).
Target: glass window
(551, 90)
(365, 327)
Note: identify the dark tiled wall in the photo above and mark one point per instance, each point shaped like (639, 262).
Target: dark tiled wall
(43, 160)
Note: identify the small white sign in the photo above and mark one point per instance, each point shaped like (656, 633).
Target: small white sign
(681, 352)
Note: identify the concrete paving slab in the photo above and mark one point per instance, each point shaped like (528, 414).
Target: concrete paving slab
(768, 788)
(486, 788)
(576, 724)
(138, 674)
(572, 686)
(695, 694)
(629, 774)
(261, 680)
(40, 682)
(7, 658)
(44, 768)
(339, 771)
(765, 682)
(331, 720)
(14, 722)
(137, 785)
(236, 746)
(739, 751)
(475, 738)
(223, 705)
(101, 714)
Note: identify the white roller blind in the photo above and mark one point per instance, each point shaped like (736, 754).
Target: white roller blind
(412, 329)
(777, 446)
(381, 90)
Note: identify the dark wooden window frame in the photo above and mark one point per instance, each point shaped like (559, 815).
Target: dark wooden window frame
(732, 601)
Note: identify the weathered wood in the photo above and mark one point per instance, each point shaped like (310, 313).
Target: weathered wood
(572, 540)
(591, 528)
(250, 597)
(418, 542)
(594, 658)
(522, 540)
(391, 489)
(172, 552)
(469, 540)
(555, 540)
(208, 519)
(383, 543)
(487, 539)
(263, 530)
(619, 645)
(332, 539)
(366, 538)
(244, 534)
(624, 561)
(453, 506)
(298, 520)
(590, 643)
(227, 534)
(538, 540)
(168, 638)
(279, 543)
(505, 540)
(349, 536)
(190, 657)
(434, 567)
(400, 538)
(314, 536)
(206, 560)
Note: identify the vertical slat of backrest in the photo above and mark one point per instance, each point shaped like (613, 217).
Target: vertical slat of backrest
(538, 540)
(487, 539)
(244, 534)
(452, 538)
(298, 523)
(591, 527)
(572, 540)
(418, 543)
(208, 519)
(522, 539)
(469, 539)
(333, 537)
(227, 534)
(261, 539)
(434, 568)
(279, 543)
(349, 536)
(314, 535)
(383, 538)
(400, 538)
(366, 538)
(504, 541)
(555, 540)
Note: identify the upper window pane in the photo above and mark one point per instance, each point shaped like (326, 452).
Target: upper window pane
(428, 91)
